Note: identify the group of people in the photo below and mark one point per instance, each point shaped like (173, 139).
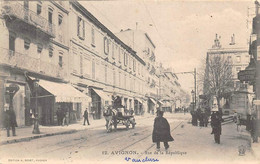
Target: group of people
(62, 116)
(200, 118)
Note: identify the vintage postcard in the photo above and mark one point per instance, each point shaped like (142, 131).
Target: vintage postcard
(129, 81)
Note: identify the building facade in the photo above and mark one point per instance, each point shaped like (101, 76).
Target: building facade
(34, 51)
(103, 66)
(238, 58)
(162, 88)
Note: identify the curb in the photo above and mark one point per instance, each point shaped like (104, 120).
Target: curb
(49, 134)
(37, 136)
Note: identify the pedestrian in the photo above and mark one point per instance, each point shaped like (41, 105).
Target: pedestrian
(86, 116)
(255, 130)
(238, 123)
(59, 116)
(205, 119)
(65, 117)
(9, 120)
(216, 126)
(161, 131)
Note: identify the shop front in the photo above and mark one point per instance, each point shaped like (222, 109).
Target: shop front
(99, 100)
(138, 106)
(151, 105)
(53, 95)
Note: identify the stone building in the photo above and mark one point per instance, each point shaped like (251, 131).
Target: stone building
(102, 65)
(34, 57)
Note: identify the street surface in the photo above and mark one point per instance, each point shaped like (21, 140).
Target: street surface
(95, 145)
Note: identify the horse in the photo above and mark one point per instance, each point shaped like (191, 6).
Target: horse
(110, 116)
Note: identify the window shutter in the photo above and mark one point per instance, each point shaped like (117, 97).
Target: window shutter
(83, 22)
(78, 25)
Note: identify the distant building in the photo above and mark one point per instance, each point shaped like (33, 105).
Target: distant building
(238, 58)
(155, 75)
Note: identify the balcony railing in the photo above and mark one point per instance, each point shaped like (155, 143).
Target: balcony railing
(23, 61)
(17, 10)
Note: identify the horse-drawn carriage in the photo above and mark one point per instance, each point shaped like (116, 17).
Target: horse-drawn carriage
(114, 116)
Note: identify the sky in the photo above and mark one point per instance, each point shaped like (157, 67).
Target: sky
(182, 31)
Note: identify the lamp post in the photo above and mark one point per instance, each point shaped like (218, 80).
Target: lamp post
(194, 73)
(192, 94)
(36, 118)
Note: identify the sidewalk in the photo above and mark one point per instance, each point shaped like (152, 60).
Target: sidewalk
(25, 133)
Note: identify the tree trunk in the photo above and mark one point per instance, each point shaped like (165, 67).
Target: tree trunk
(218, 101)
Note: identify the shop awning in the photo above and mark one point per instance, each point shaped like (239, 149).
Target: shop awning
(63, 92)
(160, 102)
(102, 94)
(140, 101)
(153, 101)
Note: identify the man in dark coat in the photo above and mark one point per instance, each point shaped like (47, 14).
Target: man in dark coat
(161, 131)
(59, 116)
(10, 121)
(254, 129)
(86, 116)
(216, 126)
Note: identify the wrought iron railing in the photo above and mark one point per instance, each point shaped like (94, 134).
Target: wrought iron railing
(23, 61)
(17, 10)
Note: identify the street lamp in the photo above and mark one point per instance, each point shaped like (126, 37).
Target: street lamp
(192, 94)
(36, 118)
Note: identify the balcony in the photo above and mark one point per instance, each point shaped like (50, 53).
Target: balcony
(22, 61)
(16, 10)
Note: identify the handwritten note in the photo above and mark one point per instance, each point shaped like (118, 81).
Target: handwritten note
(146, 159)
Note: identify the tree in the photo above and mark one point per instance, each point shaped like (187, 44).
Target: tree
(218, 76)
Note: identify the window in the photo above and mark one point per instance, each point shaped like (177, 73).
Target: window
(134, 65)
(113, 52)
(105, 73)
(60, 18)
(81, 28)
(27, 43)
(119, 79)
(93, 36)
(60, 61)
(50, 11)
(50, 51)
(39, 48)
(119, 55)
(114, 77)
(106, 45)
(81, 64)
(238, 59)
(125, 59)
(39, 9)
(93, 69)
(11, 42)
